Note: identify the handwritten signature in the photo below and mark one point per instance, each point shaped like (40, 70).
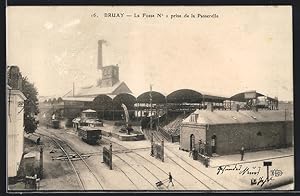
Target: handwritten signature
(242, 170)
(261, 181)
(245, 170)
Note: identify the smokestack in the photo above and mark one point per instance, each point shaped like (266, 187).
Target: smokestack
(100, 55)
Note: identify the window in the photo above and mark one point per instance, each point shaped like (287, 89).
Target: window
(194, 118)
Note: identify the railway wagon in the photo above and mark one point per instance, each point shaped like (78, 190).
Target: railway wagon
(90, 135)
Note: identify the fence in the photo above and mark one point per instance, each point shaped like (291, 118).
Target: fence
(107, 156)
(166, 135)
(169, 137)
(203, 159)
(157, 150)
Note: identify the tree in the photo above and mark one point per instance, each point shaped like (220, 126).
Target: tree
(30, 106)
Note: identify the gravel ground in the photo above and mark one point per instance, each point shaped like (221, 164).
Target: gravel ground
(141, 171)
(58, 175)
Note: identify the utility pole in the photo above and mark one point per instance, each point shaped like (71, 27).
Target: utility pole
(73, 89)
(203, 102)
(285, 112)
(157, 114)
(150, 106)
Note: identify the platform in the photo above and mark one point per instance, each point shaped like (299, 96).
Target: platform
(114, 131)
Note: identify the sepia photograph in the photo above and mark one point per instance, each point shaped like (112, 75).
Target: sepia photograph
(149, 98)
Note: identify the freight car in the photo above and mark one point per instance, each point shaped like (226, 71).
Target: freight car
(90, 135)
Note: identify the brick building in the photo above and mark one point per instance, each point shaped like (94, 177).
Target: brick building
(224, 132)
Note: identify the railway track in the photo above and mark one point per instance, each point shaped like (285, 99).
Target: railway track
(125, 151)
(123, 154)
(204, 177)
(157, 137)
(130, 151)
(84, 179)
(139, 173)
(207, 178)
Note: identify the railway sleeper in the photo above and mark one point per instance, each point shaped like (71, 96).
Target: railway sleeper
(72, 157)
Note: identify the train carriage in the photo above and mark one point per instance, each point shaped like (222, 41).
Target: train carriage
(90, 135)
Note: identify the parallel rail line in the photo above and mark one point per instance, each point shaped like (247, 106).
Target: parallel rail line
(144, 159)
(158, 138)
(79, 179)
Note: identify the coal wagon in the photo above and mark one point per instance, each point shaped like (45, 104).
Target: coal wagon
(90, 135)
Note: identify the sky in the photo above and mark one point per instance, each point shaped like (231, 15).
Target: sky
(244, 48)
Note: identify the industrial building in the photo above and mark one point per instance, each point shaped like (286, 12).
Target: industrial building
(225, 132)
(107, 96)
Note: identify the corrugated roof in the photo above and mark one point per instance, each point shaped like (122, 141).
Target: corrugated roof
(241, 96)
(88, 110)
(97, 90)
(213, 95)
(86, 99)
(243, 116)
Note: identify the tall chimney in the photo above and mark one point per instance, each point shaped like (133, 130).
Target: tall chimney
(100, 58)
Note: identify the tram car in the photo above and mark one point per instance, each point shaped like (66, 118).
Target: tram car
(90, 135)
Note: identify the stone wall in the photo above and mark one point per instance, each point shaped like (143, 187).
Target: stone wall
(185, 134)
(253, 136)
(230, 137)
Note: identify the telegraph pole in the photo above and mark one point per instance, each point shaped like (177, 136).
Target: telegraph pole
(151, 106)
(73, 89)
(285, 113)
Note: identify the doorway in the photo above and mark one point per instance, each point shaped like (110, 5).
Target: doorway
(192, 142)
(213, 144)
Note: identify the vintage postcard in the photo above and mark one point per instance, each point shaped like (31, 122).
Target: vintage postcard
(149, 98)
